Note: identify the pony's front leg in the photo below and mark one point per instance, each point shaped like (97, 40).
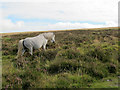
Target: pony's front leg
(44, 47)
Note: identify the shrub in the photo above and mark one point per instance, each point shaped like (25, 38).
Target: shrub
(96, 70)
(99, 54)
(68, 54)
(63, 65)
(80, 81)
(65, 47)
(112, 68)
(119, 43)
(46, 55)
(62, 82)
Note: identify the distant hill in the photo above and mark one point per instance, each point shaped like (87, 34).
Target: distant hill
(3, 34)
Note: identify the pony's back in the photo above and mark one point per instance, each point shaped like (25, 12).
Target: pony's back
(48, 35)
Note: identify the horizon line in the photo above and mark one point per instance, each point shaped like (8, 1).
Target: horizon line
(14, 33)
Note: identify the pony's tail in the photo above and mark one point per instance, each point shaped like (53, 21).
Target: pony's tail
(20, 48)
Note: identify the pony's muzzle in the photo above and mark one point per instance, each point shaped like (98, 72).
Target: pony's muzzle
(53, 41)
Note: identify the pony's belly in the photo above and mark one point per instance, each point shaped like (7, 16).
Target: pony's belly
(37, 46)
(37, 43)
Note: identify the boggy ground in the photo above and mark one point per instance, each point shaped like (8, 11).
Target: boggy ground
(78, 59)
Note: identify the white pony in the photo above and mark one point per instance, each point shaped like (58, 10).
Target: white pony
(34, 43)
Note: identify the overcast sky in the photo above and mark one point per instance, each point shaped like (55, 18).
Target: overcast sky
(40, 15)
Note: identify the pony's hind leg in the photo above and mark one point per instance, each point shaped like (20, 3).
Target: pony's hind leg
(31, 50)
(23, 51)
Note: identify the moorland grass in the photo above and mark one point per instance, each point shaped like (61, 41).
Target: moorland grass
(78, 59)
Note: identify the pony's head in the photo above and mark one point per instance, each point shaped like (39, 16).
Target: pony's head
(53, 39)
(50, 36)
